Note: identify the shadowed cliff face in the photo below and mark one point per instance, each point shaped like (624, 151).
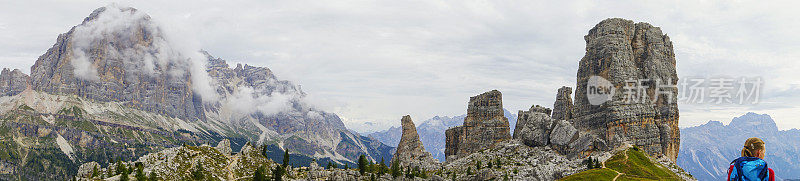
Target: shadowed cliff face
(707, 150)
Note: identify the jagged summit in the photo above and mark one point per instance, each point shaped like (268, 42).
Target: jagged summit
(753, 121)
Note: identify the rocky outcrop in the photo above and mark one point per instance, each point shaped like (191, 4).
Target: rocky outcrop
(224, 147)
(562, 108)
(484, 126)
(515, 161)
(534, 126)
(410, 152)
(620, 50)
(12, 82)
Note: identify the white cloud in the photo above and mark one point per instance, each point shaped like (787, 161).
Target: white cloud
(378, 60)
(246, 101)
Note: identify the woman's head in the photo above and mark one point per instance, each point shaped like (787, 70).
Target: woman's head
(754, 147)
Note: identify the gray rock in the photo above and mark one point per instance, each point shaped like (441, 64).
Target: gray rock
(534, 126)
(85, 170)
(484, 126)
(224, 147)
(620, 50)
(563, 133)
(12, 82)
(562, 108)
(410, 151)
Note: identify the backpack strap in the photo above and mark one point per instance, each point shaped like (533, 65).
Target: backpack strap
(764, 172)
(738, 167)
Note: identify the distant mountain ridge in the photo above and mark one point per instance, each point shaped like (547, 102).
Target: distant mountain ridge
(431, 132)
(707, 150)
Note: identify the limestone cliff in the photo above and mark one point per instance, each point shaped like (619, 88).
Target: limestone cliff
(118, 54)
(410, 152)
(12, 82)
(484, 125)
(620, 50)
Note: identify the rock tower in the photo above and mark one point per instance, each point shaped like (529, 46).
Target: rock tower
(620, 50)
(484, 125)
(410, 151)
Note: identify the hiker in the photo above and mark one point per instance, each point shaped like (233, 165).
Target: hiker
(751, 166)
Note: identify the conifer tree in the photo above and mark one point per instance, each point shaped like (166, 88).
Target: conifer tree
(259, 175)
(395, 168)
(153, 176)
(286, 157)
(198, 174)
(94, 171)
(277, 174)
(362, 164)
(140, 174)
(382, 167)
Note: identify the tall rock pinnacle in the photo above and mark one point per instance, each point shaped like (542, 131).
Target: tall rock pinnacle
(410, 151)
(484, 125)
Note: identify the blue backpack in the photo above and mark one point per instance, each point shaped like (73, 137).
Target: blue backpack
(749, 168)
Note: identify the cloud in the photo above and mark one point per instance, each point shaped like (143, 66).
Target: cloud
(168, 53)
(247, 101)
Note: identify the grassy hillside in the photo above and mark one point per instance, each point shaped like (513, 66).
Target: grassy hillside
(629, 164)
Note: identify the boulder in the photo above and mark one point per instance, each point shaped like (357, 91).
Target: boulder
(534, 126)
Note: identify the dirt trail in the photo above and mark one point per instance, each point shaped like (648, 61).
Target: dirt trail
(618, 173)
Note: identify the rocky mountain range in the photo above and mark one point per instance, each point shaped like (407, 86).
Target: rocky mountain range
(707, 150)
(118, 83)
(117, 91)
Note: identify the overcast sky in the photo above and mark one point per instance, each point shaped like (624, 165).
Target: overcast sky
(375, 61)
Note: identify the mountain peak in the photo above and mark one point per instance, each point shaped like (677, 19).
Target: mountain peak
(754, 121)
(113, 8)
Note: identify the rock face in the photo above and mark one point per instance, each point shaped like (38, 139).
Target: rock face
(620, 50)
(410, 151)
(534, 126)
(562, 108)
(126, 62)
(12, 82)
(484, 126)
